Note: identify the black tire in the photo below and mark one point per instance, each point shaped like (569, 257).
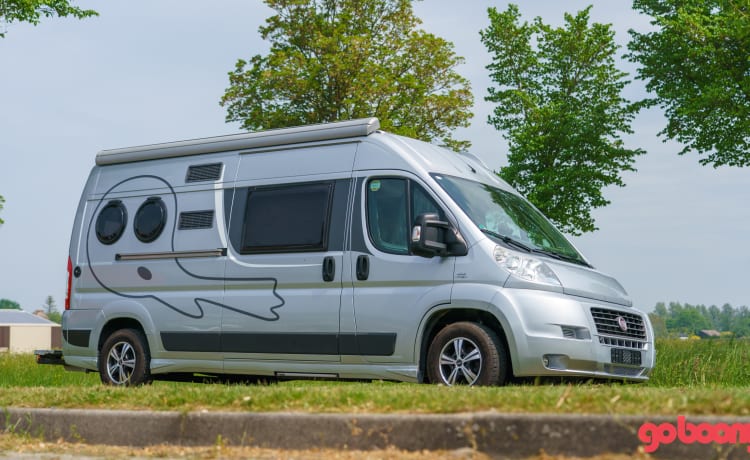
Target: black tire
(488, 362)
(124, 359)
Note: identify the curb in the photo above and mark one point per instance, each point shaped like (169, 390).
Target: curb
(496, 434)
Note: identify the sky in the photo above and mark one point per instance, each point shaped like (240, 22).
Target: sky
(153, 71)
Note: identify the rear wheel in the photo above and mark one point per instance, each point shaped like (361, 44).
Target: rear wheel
(124, 359)
(467, 353)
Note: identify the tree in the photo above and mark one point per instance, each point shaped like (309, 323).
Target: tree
(6, 304)
(659, 325)
(560, 107)
(341, 59)
(2, 200)
(740, 326)
(696, 63)
(686, 319)
(32, 11)
(726, 319)
(50, 308)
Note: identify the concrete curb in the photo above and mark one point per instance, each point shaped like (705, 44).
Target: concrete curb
(505, 435)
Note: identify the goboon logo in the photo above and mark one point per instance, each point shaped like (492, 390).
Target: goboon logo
(653, 435)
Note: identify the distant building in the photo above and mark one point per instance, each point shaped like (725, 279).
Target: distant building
(22, 332)
(709, 334)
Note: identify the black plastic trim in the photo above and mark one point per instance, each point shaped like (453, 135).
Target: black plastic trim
(368, 344)
(77, 337)
(208, 342)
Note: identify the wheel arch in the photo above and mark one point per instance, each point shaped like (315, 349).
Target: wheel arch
(440, 318)
(116, 324)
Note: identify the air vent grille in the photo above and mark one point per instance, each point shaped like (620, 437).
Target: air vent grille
(202, 173)
(196, 220)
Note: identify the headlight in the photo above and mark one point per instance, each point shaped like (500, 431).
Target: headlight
(525, 267)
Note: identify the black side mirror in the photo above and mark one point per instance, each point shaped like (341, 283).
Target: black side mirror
(431, 237)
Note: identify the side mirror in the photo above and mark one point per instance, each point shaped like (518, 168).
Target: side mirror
(431, 237)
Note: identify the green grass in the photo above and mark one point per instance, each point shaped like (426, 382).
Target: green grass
(700, 363)
(691, 377)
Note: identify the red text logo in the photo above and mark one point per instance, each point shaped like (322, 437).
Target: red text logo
(653, 435)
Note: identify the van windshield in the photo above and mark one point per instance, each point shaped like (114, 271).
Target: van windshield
(509, 218)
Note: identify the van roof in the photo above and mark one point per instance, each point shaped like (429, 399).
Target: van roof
(284, 136)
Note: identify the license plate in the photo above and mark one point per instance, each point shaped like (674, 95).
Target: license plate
(625, 356)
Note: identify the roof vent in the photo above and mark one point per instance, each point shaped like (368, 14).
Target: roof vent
(194, 220)
(202, 173)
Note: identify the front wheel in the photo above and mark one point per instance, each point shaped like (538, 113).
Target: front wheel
(124, 359)
(467, 354)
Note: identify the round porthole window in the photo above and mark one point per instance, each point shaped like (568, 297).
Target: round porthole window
(150, 220)
(111, 222)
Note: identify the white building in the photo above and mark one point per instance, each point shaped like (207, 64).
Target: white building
(22, 332)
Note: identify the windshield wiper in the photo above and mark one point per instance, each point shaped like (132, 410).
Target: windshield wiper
(558, 256)
(506, 239)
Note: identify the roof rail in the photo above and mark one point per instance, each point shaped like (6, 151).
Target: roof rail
(273, 137)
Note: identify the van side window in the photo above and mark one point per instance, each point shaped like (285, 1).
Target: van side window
(387, 215)
(392, 206)
(111, 222)
(290, 218)
(150, 219)
(422, 203)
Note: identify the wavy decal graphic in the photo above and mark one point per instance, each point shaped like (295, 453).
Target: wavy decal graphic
(196, 309)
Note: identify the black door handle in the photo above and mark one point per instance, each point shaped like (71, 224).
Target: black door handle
(329, 268)
(363, 267)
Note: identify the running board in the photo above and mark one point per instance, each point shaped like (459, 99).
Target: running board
(306, 375)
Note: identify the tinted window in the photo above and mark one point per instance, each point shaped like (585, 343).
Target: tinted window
(111, 222)
(287, 219)
(389, 218)
(387, 215)
(150, 220)
(422, 203)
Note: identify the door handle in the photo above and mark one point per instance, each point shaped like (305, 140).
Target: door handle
(329, 268)
(363, 267)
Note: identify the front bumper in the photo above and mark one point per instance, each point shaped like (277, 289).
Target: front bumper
(553, 334)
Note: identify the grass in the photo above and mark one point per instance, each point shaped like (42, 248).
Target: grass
(691, 377)
(701, 363)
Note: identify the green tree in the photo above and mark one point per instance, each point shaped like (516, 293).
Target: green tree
(559, 105)
(6, 304)
(2, 200)
(32, 11)
(696, 63)
(741, 325)
(659, 320)
(50, 308)
(714, 314)
(659, 324)
(686, 319)
(661, 310)
(341, 59)
(726, 318)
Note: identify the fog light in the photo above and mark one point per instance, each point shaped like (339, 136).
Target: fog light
(557, 362)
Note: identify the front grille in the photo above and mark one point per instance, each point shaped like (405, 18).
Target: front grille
(607, 323)
(624, 343)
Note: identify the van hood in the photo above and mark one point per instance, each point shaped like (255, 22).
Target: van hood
(591, 284)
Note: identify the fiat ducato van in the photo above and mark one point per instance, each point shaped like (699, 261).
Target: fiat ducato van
(332, 251)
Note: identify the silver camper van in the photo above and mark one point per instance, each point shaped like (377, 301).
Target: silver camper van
(332, 251)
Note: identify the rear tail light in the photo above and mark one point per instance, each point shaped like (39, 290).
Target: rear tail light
(70, 284)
